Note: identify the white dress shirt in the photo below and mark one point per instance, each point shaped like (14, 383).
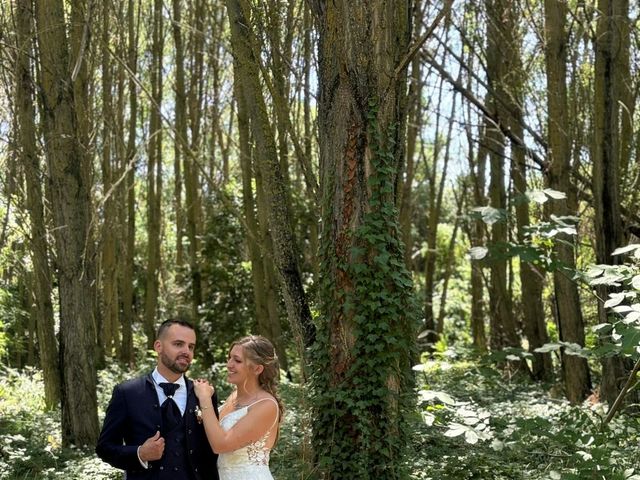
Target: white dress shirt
(180, 397)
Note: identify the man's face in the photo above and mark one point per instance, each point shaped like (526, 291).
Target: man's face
(175, 348)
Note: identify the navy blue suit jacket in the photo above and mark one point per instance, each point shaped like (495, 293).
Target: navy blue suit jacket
(133, 415)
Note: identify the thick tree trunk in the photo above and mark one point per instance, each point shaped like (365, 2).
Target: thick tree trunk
(366, 322)
(42, 280)
(575, 370)
(70, 188)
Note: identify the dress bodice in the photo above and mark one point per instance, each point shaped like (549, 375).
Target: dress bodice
(247, 463)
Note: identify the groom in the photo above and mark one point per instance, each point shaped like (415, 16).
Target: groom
(151, 429)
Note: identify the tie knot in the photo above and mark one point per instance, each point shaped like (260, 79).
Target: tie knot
(169, 388)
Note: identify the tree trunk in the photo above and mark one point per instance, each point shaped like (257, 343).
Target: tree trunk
(606, 175)
(181, 141)
(127, 353)
(531, 279)
(366, 298)
(110, 321)
(265, 304)
(503, 329)
(70, 188)
(285, 256)
(154, 177)
(42, 280)
(193, 205)
(575, 370)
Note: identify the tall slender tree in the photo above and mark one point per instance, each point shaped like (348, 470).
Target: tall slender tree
(609, 234)
(42, 278)
(575, 370)
(70, 187)
(154, 175)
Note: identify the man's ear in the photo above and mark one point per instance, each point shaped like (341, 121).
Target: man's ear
(157, 346)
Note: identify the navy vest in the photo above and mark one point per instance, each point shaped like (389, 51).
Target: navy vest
(174, 464)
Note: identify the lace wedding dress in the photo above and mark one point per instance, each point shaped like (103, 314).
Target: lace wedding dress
(247, 463)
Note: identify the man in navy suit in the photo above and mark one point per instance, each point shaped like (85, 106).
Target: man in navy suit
(151, 428)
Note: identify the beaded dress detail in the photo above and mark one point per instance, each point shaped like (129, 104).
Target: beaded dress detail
(246, 463)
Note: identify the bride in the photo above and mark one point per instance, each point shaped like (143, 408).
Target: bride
(250, 417)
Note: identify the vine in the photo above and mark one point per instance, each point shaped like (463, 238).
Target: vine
(361, 406)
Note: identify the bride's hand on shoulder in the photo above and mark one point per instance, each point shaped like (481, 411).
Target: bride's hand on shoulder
(203, 389)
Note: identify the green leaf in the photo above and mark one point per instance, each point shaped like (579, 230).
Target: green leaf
(555, 194)
(537, 196)
(478, 253)
(547, 347)
(629, 248)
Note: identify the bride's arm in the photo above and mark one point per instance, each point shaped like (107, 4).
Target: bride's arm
(260, 418)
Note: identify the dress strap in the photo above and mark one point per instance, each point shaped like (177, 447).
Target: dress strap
(277, 407)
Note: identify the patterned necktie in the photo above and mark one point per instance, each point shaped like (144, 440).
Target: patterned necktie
(171, 416)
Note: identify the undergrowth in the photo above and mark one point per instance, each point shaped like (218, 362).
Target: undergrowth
(472, 423)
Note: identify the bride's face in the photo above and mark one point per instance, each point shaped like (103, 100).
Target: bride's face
(238, 370)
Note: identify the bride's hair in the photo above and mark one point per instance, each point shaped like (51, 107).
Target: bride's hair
(260, 351)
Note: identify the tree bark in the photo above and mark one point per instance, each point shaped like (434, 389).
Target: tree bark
(361, 123)
(575, 370)
(154, 177)
(606, 160)
(285, 256)
(531, 279)
(70, 187)
(110, 306)
(42, 278)
(127, 353)
(503, 329)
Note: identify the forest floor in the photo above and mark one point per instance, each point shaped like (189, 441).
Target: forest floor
(472, 423)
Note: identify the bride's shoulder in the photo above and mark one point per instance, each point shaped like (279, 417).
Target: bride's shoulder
(266, 400)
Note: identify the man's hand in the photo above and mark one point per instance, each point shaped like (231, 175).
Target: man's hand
(152, 448)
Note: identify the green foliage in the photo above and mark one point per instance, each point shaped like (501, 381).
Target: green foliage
(228, 306)
(360, 402)
(537, 246)
(478, 425)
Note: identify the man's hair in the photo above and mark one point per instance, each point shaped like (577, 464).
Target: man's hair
(164, 326)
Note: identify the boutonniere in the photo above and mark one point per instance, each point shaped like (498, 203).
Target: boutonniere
(198, 414)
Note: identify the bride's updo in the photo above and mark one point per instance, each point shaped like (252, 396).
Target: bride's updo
(260, 351)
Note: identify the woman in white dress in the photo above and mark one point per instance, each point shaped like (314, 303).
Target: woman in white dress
(250, 417)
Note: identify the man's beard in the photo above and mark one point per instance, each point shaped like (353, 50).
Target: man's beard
(173, 364)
